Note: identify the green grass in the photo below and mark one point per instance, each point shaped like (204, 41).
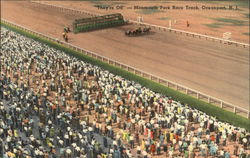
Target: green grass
(209, 109)
(213, 25)
(118, 3)
(239, 3)
(98, 2)
(208, 2)
(103, 5)
(149, 11)
(164, 18)
(246, 33)
(160, 1)
(220, 22)
(242, 3)
(231, 22)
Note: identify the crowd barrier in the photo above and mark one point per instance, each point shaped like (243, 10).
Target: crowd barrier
(168, 83)
(187, 33)
(192, 34)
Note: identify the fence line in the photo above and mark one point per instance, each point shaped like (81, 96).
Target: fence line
(187, 33)
(168, 83)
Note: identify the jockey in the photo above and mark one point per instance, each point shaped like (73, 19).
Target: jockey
(66, 29)
(66, 38)
(63, 34)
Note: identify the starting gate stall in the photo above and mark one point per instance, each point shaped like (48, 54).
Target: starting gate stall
(98, 22)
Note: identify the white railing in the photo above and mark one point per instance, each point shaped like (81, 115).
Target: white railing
(192, 34)
(168, 83)
(187, 33)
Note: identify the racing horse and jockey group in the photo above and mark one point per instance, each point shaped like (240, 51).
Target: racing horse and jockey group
(65, 35)
(135, 32)
(138, 31)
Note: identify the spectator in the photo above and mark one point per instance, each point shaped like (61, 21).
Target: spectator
(55, 105)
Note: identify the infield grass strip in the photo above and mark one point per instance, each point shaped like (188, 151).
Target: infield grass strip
(212, 110)
(164, 18)
(231, 22)
(246, 33)
(213, 25)
(149, 10)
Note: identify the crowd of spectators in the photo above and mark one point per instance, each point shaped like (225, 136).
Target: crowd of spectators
(55, 105)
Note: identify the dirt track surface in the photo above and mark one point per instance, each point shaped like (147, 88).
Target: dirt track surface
(201, 21)
(215, 69)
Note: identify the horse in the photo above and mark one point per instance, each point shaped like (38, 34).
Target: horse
(66, 29)
(65, 37)
(128, 33)
(137, 31)
(146, 30)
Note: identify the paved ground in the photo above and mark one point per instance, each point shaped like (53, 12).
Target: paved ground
(212, 68)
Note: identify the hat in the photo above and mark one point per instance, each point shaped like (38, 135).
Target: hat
(20, 147)
(80, 136)
(26, 152)
(68, 151)
(74, 144)
(49, 122)
(77, 148)
(41, 153)
(32, 138)
(66, 136)
(61, 142)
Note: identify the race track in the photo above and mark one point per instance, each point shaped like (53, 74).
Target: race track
(215, 69)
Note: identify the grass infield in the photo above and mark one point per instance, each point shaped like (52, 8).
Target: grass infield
(212, 110)
(246, 33)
